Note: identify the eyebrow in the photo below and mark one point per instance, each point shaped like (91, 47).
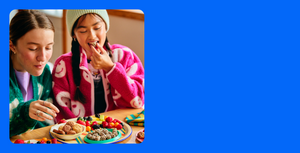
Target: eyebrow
(85, 26)
(38, 43)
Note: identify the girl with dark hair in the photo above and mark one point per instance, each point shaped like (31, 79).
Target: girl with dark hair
(31, 39)
(95, 76)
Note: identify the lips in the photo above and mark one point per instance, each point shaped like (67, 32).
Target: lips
(39, 66)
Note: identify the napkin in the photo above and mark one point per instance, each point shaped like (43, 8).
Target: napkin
(136, 119)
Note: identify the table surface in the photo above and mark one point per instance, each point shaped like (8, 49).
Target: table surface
(119, 114)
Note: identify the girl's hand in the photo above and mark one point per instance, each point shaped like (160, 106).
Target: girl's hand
(100, 59)
(40, 109)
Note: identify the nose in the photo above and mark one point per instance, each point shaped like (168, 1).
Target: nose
(92, 35)
(41, 55)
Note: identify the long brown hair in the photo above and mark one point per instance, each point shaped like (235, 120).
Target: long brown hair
(26, 20)
(76, 60)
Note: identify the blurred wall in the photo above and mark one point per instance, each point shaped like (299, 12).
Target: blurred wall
(125, 31)
(58, 42)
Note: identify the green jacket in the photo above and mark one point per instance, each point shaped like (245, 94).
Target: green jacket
(19, 120)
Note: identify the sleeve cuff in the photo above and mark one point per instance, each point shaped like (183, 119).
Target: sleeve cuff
(107, 74)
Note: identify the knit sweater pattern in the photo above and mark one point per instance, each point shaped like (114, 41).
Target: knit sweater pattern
(19, 120)
(123, 84)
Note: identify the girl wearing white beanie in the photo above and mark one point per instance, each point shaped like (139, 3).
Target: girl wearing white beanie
(95, 76)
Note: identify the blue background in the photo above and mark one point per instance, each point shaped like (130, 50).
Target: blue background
(221, 76)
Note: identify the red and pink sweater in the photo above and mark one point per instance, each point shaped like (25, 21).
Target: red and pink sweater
(123, 85)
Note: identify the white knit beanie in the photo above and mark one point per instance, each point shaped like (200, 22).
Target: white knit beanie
(73, 15)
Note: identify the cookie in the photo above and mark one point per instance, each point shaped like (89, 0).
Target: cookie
(77, 128)
(71, 123)
(67, 128)
(71, 132)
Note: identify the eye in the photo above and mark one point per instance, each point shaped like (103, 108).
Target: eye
(98, 28)
(48, 48)
(82, 31)
(32, 49)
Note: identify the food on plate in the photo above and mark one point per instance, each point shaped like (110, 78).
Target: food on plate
(96, 126)
(71, 132)
(69, 128)
(102, 134)
(119, 126)
(60, 127)
(19, 141)
(62, 121)
(77, 128)
(42, 142)
(88, 128)
(81, 122)
(71, 123)
(54, 141)
(141, 135)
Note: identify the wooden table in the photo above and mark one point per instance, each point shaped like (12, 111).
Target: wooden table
(119, 114)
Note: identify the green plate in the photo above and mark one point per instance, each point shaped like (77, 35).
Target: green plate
(87, 140)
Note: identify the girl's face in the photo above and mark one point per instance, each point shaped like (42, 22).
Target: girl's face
(89, 30)
(33, 51)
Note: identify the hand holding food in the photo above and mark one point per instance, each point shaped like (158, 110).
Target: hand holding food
(100, 59)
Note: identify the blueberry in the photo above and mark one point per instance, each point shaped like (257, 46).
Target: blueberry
(38, 142)
(85, 118)
(48, 142)
(122, 124)
(96, 126)
(89, 118)
(101, 125)
(97, 115)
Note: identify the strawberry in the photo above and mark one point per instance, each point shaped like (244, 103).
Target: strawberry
(62, 121)
(119, 127)
(80, 122)
(109, 119)
(54, 141)
(43, 142)
(94, 123)
(118, 120)
(109, 126)
(87, 123)
(19, 141)
(104, 124)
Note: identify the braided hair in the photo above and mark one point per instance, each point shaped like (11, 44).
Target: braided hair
(76, 61)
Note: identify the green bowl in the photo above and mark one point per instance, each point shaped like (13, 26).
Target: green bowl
(103, 141)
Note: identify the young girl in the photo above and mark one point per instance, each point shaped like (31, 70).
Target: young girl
(95, 77)
(31, 36)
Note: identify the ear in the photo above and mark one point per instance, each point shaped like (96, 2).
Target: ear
(12, 47)
(74, 37)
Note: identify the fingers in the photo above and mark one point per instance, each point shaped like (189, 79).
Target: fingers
(94, 63)
(102, 50)
(35, 114)
(95, 51)
(48, 108)
(43, 115)
(42, 110)
(51, 106)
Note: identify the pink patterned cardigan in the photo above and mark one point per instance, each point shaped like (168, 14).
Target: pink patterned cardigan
(123, 85)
